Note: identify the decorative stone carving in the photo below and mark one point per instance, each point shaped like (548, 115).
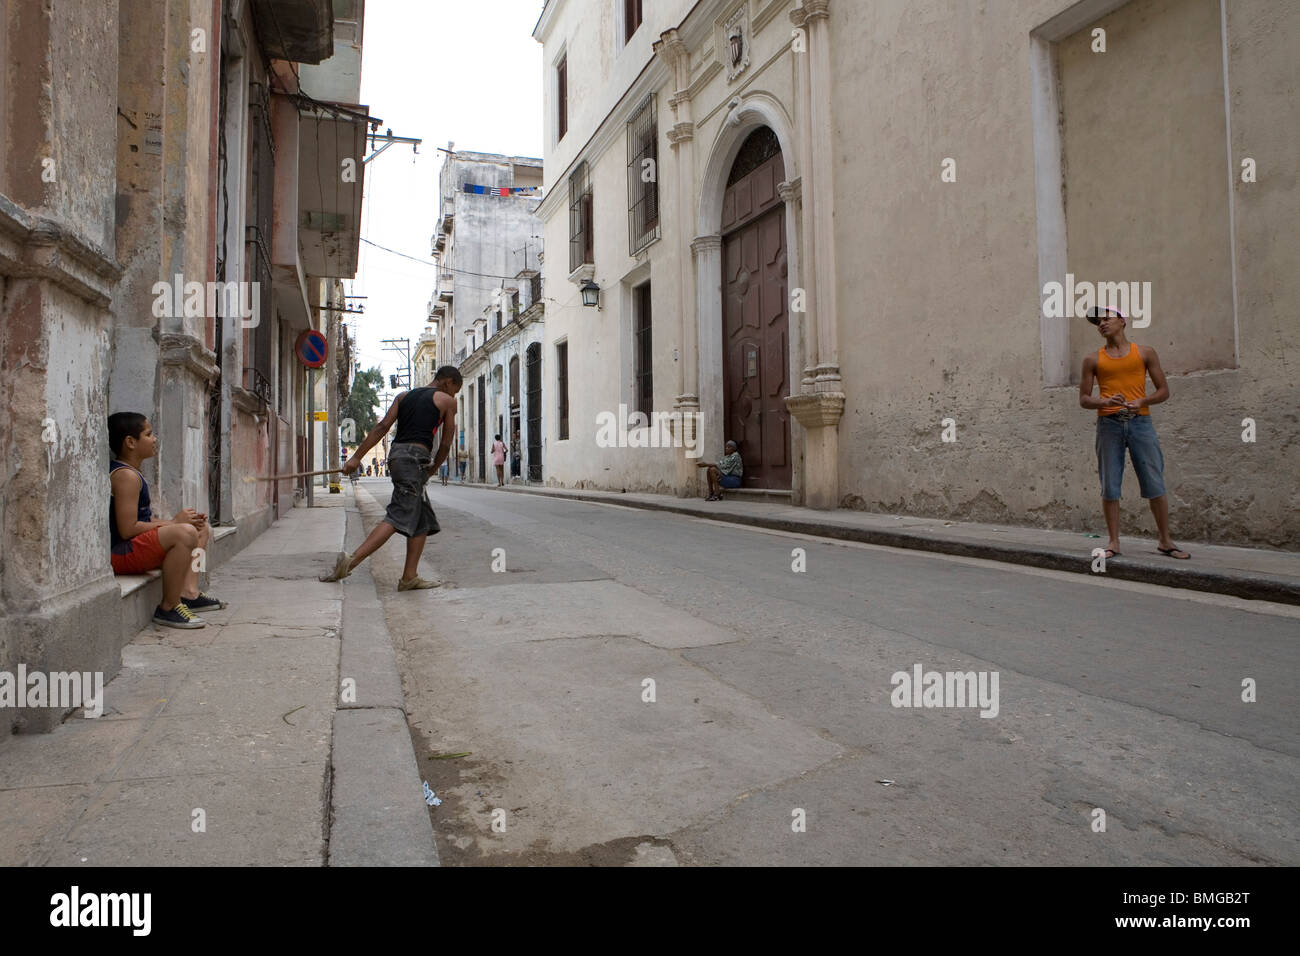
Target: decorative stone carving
(733, 112)
(816, 409)
(736, 36)
(681, 133)
(817, 9)
(181, 349)
(703, 243)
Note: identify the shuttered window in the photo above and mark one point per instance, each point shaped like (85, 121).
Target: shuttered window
(631, 18)
(562, 388)
(562, 96)
(642, 350)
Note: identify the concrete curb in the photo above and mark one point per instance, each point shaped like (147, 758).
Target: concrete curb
(377, 814)
(1256, 586)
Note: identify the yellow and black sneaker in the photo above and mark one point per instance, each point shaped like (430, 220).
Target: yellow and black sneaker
(204, 602)
(179, 616)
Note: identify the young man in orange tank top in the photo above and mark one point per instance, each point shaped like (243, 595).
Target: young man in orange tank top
(1120, 369)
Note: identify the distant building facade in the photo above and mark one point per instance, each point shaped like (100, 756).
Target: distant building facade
(489, 306)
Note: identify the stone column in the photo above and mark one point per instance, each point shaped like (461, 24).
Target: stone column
(707, 251)
(820, 404)
(681, 135)
(791, 193)
(808, 255)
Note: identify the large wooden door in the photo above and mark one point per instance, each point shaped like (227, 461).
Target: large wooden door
(755, 320)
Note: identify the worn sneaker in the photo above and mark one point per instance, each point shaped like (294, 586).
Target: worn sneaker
(417, 584)
(179, 616)
(204, 602)
(341, 569)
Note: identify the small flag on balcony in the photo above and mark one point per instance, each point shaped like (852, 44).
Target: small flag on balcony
(498, 190)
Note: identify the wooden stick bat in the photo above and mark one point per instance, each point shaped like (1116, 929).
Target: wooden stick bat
(300, 474)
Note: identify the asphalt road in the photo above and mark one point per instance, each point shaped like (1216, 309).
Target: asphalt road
(772, 736)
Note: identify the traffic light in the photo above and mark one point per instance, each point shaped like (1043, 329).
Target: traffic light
(392, 381)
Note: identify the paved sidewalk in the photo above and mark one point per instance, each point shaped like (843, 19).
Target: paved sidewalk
(230, 726)
(1242, 572)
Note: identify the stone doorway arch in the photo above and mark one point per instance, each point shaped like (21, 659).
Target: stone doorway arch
(744, 117)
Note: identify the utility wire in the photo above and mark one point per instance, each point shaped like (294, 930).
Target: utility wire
(464, 272)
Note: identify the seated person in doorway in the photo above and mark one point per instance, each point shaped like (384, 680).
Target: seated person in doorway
(140, 543)
(724, 473)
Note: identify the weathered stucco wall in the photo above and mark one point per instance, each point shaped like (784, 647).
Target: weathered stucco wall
(939, 292)
(1146, 183)
(56, 585)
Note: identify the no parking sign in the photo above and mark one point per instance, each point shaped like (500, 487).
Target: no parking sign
(311, 348)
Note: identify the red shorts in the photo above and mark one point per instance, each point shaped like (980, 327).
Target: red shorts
(146, 554)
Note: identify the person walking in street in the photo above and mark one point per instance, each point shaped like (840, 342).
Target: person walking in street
(1120, 369)
(418, 415)
(723, 473)
(499, 460)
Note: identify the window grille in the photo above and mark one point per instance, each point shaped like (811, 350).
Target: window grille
(581, 244)
(643, 176)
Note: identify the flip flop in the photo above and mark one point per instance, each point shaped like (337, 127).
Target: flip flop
(1169, 553)
(1111, 553)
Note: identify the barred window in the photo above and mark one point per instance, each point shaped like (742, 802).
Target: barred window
(581, 243)
(643, 175)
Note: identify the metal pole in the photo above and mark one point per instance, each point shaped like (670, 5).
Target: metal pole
(332, 394)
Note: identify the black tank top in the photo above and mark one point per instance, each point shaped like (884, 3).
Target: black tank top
(417, 417)
(119, 544)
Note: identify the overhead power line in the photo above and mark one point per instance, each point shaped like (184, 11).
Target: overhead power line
(423, 262)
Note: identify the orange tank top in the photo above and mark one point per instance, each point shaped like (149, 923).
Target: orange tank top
(1127, 376)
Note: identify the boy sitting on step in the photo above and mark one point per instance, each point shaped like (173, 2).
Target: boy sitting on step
(140, 543)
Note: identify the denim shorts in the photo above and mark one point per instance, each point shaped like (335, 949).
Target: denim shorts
(409, 510)
(1138, 435)
(729, 481)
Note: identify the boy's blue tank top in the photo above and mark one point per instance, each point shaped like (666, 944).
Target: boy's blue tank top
(142, 513)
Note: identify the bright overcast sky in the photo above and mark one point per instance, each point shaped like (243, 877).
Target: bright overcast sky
(437, 70)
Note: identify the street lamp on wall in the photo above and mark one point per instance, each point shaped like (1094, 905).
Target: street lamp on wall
(591, 294)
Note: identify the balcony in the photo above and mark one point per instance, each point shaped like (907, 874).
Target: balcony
(297, 30)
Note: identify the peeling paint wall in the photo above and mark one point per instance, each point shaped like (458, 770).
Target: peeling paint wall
(940, 299)
(56, 268)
